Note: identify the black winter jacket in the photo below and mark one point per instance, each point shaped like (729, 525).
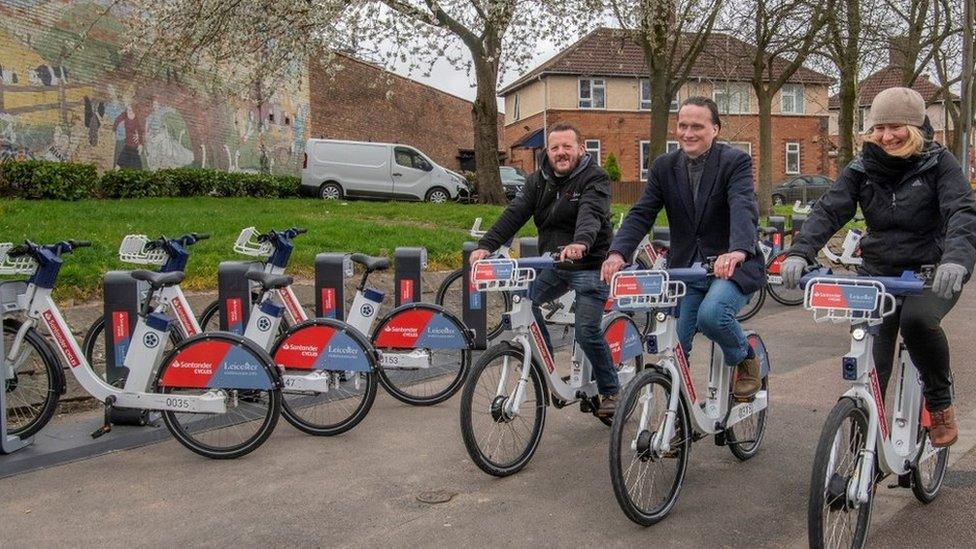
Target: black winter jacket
(926, 217)
(566, 210)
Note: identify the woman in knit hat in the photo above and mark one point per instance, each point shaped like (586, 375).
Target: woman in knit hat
(919, 211)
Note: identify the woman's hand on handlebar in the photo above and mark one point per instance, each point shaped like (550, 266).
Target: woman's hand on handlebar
(613, 263)
(792, 269)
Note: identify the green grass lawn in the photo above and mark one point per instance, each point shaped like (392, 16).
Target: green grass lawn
(375, 228)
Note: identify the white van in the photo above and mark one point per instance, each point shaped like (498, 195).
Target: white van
(334, 169)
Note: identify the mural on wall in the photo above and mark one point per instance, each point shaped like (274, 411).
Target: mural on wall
(65, 101)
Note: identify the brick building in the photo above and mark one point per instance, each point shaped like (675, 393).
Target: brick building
(363, 102)
(66, 99)
(600, 84)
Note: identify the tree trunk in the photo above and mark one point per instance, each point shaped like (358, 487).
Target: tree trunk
(848, 112)
(764, 188)
(660, 112)
(484, 114)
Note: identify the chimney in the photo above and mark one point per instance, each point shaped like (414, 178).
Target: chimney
(896, 51)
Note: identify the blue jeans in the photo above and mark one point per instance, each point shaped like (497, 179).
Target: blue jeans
(591, 295)
(709, 307)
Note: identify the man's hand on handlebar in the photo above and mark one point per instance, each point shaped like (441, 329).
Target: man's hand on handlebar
(613, 263)
(572, 252)
(725, 264)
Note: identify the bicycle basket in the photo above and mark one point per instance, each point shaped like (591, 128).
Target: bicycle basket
(23, 265)
(846, 299)
(492, 275)
(645, 289)
(247, 243)
(133, 250)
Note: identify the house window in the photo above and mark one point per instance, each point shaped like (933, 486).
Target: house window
(645, 94)
(645, 159)
(861, 115)
(672, 146)
(732, 98)
(743, 146)
(792, 158)
(515, 108)
(593, 147)
(592, 93)
(675, 105)
(791, 98)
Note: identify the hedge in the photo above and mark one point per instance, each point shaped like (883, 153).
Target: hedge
(34, 179)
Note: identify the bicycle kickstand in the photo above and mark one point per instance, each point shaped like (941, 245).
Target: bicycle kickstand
(107, 426)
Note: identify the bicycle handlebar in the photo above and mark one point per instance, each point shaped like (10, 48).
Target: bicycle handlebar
(909, 283)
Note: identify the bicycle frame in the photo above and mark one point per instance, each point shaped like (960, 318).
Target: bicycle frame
(709, 415)
(142, 360)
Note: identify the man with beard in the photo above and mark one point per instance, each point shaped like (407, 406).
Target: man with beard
(568, 197)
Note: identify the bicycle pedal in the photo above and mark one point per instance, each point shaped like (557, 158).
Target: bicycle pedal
(720, 438)
(102, 430)
(741, 400)
(904, 481)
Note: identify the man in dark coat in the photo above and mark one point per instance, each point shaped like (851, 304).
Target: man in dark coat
(569, 200)
(707, 191)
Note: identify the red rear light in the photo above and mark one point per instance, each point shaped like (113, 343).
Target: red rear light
(777, 240)
(304, 160)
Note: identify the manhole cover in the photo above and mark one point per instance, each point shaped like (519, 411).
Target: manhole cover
(435, 496)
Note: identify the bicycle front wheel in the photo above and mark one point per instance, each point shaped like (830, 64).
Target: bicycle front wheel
(451, 293)
(834, 518)
(499, 437)
(32, 393)
(646, 477)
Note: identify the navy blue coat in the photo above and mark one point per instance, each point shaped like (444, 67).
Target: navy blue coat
(722, 218)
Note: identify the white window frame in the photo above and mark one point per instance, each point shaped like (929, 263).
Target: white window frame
(641, 159)
(593, 83)
(515, 108)
(675, 104)
(794, 92)
(748, 145)
(730, 89)
(793, 148)
(671, 146)
(643, 102)
(594, 151)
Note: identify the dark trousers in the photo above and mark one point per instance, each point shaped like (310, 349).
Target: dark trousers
(919, 318)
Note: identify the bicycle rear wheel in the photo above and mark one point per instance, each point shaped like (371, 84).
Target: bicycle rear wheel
(501, 442)
(94, 348)
(450, 295)
(645, 480)
(33, 392)
(756, 300)
(833, 519)
(928, 474)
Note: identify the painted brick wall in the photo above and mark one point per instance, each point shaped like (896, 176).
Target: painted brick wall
(363, 102)
(91, 103)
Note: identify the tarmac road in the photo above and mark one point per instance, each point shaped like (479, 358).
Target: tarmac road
(362, 488)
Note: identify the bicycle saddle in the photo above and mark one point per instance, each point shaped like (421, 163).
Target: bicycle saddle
(269, 281)
(158, 280)
(661, 244)
(768, 230)
(370, 262)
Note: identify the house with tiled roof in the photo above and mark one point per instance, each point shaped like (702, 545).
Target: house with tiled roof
(600, 84)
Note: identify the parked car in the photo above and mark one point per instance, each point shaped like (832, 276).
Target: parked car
(334, 169)
(805, 188)
(513, 179)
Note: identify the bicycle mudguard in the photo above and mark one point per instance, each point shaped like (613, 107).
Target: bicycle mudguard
(421, 325)
(218, 360)
(623, 337)
(759, 348)
(324, 344)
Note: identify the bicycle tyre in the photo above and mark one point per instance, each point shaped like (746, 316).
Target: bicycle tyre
(618, 442)
(746, 449)
(468, 434)
(820, 501)
(927, 491)
(753, 305)
(50, 393)
(452, 283)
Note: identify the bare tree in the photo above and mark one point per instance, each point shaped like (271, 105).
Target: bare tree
(948, 64)
(672, 34)
(496, 34)
(784, 34)
(917, 29)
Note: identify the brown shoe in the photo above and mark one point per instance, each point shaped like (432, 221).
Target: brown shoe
(943, 431)
(608, 405)
(747, 381)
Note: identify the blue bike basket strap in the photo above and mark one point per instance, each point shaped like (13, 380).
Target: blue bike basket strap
(271, 309)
